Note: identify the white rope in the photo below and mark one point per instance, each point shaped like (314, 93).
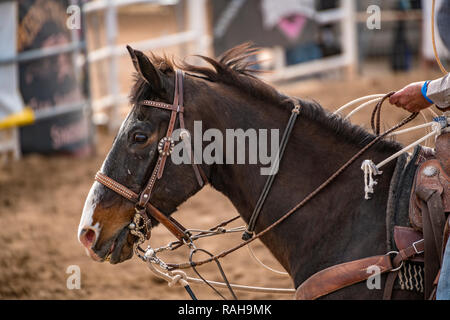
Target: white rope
(252, 254)
(434, 114)
(345, 106)
(435, 132)
(421, 126)
(361, 107)
(174, 278)
(370, 170)
(179, 277)
(426, 143)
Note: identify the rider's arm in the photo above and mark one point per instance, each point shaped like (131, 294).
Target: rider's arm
(420, 95)
(439, 92)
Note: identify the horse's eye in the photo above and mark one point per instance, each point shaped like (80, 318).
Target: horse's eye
(140, 137)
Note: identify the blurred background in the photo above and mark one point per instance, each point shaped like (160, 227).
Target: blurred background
(64, 79)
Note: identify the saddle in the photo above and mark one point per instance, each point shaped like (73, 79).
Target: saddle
(429, 206)
(425, 181)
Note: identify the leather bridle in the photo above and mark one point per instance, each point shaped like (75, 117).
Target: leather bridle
(141, 224)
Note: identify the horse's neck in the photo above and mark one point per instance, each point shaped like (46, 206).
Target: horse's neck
(337, 225)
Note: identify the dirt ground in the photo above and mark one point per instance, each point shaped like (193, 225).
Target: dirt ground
(41, 199)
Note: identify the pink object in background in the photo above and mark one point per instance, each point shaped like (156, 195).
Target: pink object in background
(292, 26)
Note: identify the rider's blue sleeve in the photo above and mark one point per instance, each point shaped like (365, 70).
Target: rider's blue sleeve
(443, 288)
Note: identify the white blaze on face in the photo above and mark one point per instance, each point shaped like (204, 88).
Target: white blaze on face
(93, 199)
(88, 212)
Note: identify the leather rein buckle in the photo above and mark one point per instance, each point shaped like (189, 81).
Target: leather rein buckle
(415, 246)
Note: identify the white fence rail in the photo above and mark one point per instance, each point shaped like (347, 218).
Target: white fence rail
(196, 34)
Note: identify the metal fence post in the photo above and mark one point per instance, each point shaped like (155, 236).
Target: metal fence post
(12, 103)
(113, 70)
(197, 23)
(349, 36)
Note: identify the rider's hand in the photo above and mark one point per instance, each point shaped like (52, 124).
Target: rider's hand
(410, 98)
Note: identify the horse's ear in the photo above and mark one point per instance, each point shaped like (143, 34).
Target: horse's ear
(146, 69)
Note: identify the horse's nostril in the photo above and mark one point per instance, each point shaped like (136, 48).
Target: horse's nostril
(87, 238)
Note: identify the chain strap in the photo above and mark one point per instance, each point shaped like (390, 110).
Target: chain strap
(141, 228)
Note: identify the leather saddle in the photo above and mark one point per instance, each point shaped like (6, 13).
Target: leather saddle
(428, 210)
(425, 182)
(432, 174)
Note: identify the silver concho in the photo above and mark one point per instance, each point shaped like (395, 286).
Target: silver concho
(430, 171)
(161, 144)
(184, 134)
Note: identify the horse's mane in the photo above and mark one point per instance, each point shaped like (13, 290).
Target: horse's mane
(234, 68)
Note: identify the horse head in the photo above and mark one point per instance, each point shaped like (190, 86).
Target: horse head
(104, 226)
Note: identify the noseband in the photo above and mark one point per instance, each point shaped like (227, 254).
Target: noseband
(141, 224)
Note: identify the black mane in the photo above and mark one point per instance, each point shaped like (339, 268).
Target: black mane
(233, 68)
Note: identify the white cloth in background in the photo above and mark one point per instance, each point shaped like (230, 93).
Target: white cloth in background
(439, 92)
(273, 11)
(10, 100)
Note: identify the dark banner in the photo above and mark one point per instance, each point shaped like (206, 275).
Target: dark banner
(51, 82)
(67, 133)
